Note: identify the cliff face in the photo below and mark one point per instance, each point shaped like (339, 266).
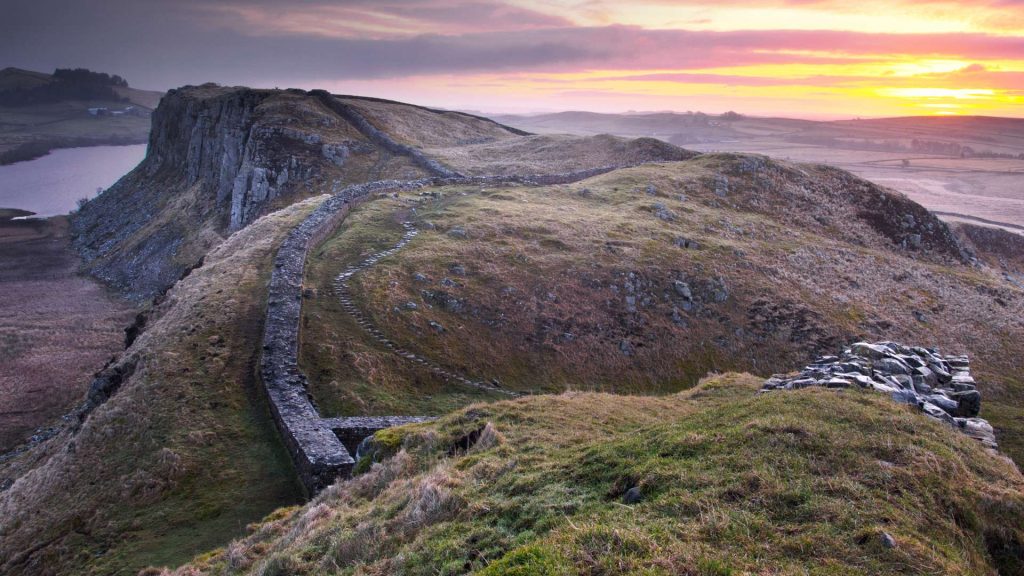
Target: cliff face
(218, 158)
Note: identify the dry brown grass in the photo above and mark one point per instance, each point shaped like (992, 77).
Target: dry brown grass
(426, 128)
(56, 327)
(553, 154)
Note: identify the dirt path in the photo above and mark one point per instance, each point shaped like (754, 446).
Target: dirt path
(56, 328)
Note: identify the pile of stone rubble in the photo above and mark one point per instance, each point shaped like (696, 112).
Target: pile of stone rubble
(941, 386)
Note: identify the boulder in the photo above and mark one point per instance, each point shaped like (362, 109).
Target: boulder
(891, 365)
(968, 402)
(632, 496)
(682, 289)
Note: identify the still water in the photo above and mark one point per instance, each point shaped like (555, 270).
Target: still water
(52, 184)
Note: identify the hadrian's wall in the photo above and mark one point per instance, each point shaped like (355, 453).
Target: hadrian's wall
(313, 442)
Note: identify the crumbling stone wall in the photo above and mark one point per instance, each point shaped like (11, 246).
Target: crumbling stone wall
(940, 386)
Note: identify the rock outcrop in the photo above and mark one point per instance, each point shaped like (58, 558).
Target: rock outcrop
(941, 386)
(218, 159)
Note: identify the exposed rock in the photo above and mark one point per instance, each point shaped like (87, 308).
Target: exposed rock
(721, 186)
(633, 496)
(663, 212)
(685, 243)
(682, 289)
(941, 386)
(442, 300)
(719, 292)
(626, 347)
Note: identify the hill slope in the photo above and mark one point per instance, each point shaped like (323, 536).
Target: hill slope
(644, 279)
(964, 167)
(713, 481)
(182, 453)
(640, 280)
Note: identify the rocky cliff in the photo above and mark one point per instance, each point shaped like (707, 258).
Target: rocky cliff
(219, 158)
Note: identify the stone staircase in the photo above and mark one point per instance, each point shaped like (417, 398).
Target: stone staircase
(344, 294)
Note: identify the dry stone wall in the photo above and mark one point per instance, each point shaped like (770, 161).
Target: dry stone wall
(315, 443)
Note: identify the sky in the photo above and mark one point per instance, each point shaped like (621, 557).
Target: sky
(795, 58)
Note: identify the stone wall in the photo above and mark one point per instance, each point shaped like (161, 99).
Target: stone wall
(315, 443)
(318, 454)
(380, 138)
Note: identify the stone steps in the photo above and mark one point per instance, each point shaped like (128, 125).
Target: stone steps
(342, 291)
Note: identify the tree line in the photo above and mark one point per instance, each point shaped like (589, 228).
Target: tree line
(68, 84)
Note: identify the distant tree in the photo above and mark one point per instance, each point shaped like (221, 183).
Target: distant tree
(905, 163)
(731, 116)
(86, 76)
(68, 84)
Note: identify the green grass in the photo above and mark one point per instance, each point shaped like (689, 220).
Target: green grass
(349, 372)
(543, 262)
(732, 483)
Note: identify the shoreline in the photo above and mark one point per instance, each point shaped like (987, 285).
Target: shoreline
(36, 149)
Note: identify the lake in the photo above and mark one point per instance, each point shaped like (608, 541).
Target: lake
(51, 185)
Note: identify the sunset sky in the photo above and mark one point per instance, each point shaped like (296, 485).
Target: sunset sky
(799, 58)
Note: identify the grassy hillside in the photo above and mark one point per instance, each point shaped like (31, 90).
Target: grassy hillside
(428, 128)
(714, 481)
(967, 168)
(183, 456)
(554, 154)
(645, 279)
(637, 282)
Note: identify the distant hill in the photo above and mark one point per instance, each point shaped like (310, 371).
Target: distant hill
(70, 108)
(18, 79)
(965, 167)
(985, 135)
